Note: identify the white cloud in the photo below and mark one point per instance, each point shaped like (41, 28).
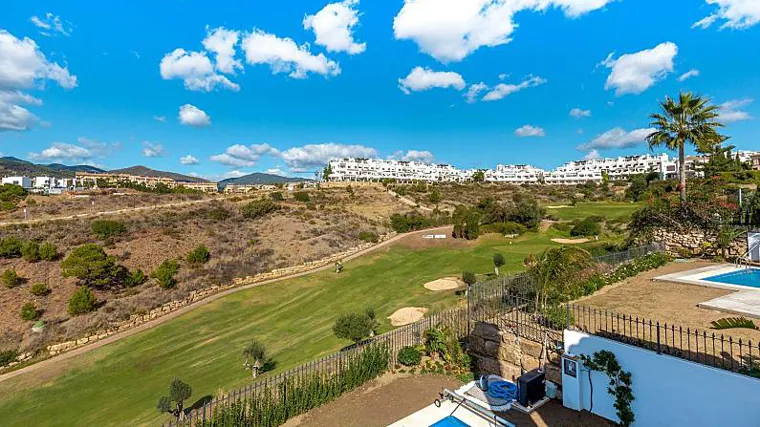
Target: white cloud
(151, 149)
(450, 30)
(333, 27)
(24, 66)
(283, 55)
(413, 156)
(51, 25)
(580, 113)
(731, 111)
(299, 159)
(59, 151)
(689, 74)
(189, 160)
(195, 70)
(244, 156)
(221, 42)
(234, 174)
(474, 91)
(737, 14)
(634, 73)
(618, 138)
(191, 115)
(161, 119)
(420, 79)
(276, 171)
(502, 90)
(12, 115)
(529, 130)
(592, 155)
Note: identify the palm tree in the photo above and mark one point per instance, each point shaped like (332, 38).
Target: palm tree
(690, 120)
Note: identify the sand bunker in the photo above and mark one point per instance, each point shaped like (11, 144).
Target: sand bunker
(445, 284)
(558, 207)
(570, 241)
(407, 315)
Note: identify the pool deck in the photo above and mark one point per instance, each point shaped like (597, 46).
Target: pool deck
(745, 302)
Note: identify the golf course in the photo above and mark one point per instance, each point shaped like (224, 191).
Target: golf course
(119, 384)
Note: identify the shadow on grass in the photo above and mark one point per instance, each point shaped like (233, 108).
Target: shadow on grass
(205, 400)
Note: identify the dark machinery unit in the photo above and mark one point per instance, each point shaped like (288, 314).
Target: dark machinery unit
(530, 388)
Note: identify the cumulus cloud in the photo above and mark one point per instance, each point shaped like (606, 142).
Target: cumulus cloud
(191, 115)
(333, 27)
(421, 79)
(634, 73)
(299, 159)
(474, 91)
(689, 74)
(151, 149)
(24, 66)
(530, 130)
(502, 90)
(59, 151)
(189, 160)
(244, 156)
(50, 25)
(277, 171)
(195, 70)
(592, 155)
(14, 117)
(283, 55)
(580, 113)
(221, 42)
(618, 138)
(735, 14)
(450, 30)
(413, 156)
(731, 111)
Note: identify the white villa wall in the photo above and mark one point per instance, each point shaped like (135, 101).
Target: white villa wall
(669, 391)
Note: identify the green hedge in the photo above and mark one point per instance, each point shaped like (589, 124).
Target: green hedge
(625, 271)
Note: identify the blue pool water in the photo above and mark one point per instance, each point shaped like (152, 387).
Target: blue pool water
(450, 421)
(749, 277)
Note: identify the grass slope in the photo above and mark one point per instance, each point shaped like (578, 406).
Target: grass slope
(610, 210)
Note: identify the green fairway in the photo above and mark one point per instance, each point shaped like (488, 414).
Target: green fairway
(120, 383)
(609, 210)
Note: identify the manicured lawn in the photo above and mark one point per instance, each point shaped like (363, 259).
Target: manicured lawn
(609, 210)
(120, 383)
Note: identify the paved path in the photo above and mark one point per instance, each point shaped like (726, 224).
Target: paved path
(148, 325)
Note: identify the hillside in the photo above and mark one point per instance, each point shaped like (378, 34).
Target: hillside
(14, 166)
(259, 178)
(146, 171)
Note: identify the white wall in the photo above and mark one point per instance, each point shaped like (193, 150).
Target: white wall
(669, 391)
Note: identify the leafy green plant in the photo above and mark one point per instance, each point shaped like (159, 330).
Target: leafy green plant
(29, 311)
(164, 274)
(556, 317)
(106, 228)
(199, 255)
(255, 354)
(302, 196)
(92, 266)
(469, 277)
(409, 356)
(10, 247)
(587, 227)
(498, 261)
(48, 252)
(174, 402)
(82, 301)
(733, 322)
(39, 289)
(259, 208)
(620, 385)
(135, 278)
(7, 357)
(355, 326)
(435, 342)
(368, 236)
(11, 279)
(30, 251)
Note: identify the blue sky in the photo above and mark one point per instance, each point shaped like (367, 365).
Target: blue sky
(259, 86)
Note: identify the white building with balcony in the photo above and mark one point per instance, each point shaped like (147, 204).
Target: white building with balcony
(21, 181)
(619, 168)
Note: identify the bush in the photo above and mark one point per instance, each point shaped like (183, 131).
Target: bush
(409, 356)
(135, 278)
(528, 213)
(7, 357)
(301, 196)
(368, 236)
(563, 227)
(587, 227)
(31, 251)
(409, 222)
(469, 278)
(48, 252)
(39, 289)
(83, 301)
(164, 274)
(355, 326)
(11, 279)
(219, 213)
(10, 247)
(199, 255)
(106, 228)
(259, 208)
(29, 311)
(277, 196)
(506, 228)
(556, 316)
(90, 264)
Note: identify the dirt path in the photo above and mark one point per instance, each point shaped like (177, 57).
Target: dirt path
(410, 202)
(186, 309)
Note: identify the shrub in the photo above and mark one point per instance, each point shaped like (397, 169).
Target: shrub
(528, 213)
(135, 278)
(39, 289)
(409, 222)
(31, 251)
(587, 227)
(556, 316)
(10, 247)
(7, 357)
(409, 356)
(505, 228)
(368, 236)
(90, 264)
(82, 301)
(218, 213)
(48, 252)
(106, 228)
(355, 326)
(11, 278)
(29, 311)
(164, 274)
(563, 227)
(301, 196)
(259, 208)
(469, 277)
(276, 196)
(199, 255)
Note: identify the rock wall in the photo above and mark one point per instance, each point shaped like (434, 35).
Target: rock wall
(697, 243)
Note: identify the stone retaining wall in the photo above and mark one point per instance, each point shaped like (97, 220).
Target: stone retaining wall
(697, 243)
(138, 319)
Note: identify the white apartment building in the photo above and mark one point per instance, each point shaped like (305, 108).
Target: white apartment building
(47, 182)
(359, 169)
(620, 168)
(515, 174)
(21, 181)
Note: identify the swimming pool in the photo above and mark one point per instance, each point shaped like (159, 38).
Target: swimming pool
(749, 277)
(450, 421)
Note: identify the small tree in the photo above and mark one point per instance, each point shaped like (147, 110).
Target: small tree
(479, 176)
(302, 196)
(31, 251)
(199, 255)
(82, 301)
(39, 289)
(48, 252)
(498, 261)
(11, 279)
(174, 403)
(469, 278)
(164, 274)
(435, 197)
(259, 208)
(255, 357)
(355, 326)
(91, 265)
(10, 247)
(277, 196)
(326, 172)
(29, 311)
(135, 278)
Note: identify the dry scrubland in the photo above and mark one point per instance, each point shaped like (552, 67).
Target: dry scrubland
(297, 233)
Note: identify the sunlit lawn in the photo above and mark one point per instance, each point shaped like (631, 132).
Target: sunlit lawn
(609, 210)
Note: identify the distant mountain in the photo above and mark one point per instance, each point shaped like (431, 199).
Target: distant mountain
(259, 178)
(13, 166)
(146, 171)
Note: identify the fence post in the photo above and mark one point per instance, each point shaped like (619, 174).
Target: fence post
(567, 315)
(469, 293)
(659, 349)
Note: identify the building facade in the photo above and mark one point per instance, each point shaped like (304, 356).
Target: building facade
(88, 179)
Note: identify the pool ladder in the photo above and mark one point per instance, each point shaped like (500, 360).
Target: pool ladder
(745, 259)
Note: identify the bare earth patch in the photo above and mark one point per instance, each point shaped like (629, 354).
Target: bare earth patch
(445, 284)
(407, 315)
(570, 241)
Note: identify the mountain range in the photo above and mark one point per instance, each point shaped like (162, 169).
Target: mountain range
(14, 166)
(259, 178)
